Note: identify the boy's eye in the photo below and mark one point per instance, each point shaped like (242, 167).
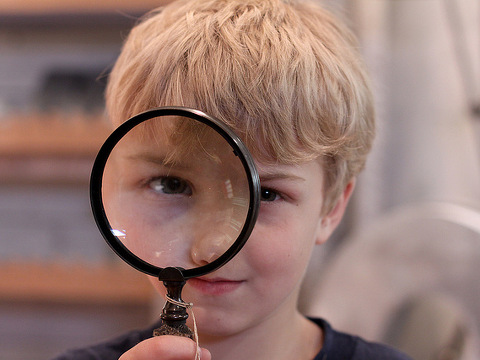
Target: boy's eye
(268, 195)
(170, 185)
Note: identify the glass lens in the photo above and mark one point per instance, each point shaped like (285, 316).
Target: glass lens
(175, 193)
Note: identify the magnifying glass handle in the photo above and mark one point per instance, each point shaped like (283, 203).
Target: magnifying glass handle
(174, 314)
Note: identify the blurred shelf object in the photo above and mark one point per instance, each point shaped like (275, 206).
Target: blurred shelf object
(109, 284)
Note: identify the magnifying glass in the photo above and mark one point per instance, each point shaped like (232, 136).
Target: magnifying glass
(175, 193)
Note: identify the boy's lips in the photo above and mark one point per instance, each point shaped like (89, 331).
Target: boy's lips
(215, 286)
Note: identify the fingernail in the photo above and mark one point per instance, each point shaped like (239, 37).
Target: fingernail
(205, 354)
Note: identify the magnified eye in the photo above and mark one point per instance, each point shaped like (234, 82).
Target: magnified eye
(170, 185)
(268, 195)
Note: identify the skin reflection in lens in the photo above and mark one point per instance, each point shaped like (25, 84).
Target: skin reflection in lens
(174, 192)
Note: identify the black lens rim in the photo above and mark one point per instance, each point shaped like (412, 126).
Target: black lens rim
(96, 189)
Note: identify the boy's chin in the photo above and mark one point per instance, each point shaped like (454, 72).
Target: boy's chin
(216, 323)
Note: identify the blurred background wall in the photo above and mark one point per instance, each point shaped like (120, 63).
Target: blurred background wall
(425, 59)
(411, 236)
(59, 282)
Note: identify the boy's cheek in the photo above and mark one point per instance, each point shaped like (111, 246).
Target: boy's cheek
(158, 285)
(279, 249)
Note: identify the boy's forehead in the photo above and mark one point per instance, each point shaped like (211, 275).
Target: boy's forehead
(176, 130)
(176, 141)
(269, 150)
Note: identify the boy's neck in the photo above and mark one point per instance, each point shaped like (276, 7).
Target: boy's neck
(281, 336)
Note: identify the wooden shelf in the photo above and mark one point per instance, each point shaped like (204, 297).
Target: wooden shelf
(50, 149)
(52, 135)
(39, 7)
(74, 284)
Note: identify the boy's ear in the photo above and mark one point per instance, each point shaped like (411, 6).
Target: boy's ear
(329, 222)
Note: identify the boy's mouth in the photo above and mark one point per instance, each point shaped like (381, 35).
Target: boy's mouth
(214, 286)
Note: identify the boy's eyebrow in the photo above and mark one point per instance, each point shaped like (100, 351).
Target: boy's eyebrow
(146, 156)
(158, 159)
(280, 176)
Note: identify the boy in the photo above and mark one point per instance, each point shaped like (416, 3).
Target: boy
(286, 76)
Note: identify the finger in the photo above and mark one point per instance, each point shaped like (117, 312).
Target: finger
(165, 347)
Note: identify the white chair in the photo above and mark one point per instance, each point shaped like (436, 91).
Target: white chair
(412, 280)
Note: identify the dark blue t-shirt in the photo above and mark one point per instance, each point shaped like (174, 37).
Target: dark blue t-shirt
(341, 346)
(336, 346)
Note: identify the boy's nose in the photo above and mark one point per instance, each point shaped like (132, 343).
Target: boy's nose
(209, 247)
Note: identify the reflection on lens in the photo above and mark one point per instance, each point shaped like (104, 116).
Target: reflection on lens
(175, 193)
(118, 233)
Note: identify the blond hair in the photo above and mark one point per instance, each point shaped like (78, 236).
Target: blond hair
(285, 75)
